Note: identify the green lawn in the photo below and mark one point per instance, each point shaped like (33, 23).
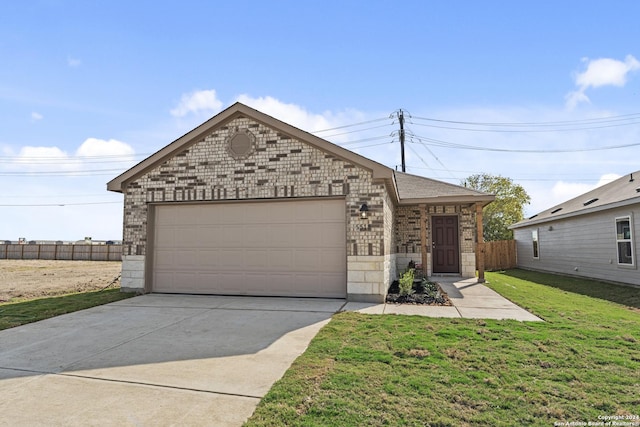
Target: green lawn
(582, 363)
(16, 313)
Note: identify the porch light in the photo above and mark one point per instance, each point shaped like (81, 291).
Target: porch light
(363, 211)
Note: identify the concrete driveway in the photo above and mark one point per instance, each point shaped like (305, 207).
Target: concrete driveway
(154, 360)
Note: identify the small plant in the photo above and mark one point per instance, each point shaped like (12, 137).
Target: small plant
(405, 283)
(433, 290)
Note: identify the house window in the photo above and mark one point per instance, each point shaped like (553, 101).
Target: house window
(624, 241)
(536, 248)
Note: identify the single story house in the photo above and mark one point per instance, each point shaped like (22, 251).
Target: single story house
(246, 204)
(593, 235)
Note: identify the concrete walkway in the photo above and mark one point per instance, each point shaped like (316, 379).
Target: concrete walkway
(470, 300)
(154, 360)
(180, 360)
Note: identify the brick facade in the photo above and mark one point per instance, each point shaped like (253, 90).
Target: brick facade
(408, 238)
(278, 167)
(243, 154)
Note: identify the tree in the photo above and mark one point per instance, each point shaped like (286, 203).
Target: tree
(505, 210)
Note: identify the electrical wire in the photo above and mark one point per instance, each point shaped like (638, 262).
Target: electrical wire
(351, 125)
(441, 143)
(357, 130)
(524, 130)
(632, 116)
(59, 204)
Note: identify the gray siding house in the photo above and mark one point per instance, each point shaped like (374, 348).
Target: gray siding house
(594, 235)
(246, 204)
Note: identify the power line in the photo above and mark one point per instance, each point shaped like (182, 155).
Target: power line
(441, 143)
(351, 125)
(61, 173)
(632, 116)
(373, 138)
(49, 196)
(58, 204)
(357, 130)
(105, 156)
(573, 129)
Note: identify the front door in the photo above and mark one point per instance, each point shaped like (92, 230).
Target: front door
(446, 248)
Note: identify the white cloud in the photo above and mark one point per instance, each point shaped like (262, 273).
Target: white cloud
(93, 147)
(204, 101)
(574, 98)
(601, 72)
(607, 72)
(290, 113)
(563, 191)
(54, 159)
(36, 116)
(45, 196)
(32, 158)
(73, 62)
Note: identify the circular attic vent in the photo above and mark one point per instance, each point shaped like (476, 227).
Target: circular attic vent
(241, 144)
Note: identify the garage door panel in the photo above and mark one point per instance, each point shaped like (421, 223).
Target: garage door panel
(256, 259)
(280, 259)
(229, 214)
(310, 212)
(307, 236)
(333, 212)
(291, 248)
(306, 260)
(184, 237)
(230, 236)
(329, 258)
(280, 213)
(185, 258)
(255, 235)
(208, 259)
(190, 215)
(331, 234)
(280, 235)
(166, 216)
(164, 237)
(231, 259)
(208, 233)
(166, 259)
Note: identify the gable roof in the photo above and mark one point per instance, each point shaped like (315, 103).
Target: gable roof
(404, 188)
(240, 110)
(623, 191)
(414, 189)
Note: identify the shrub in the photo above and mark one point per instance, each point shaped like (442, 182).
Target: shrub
(405, 283)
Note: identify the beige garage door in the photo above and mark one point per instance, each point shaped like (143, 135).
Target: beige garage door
(288, 248)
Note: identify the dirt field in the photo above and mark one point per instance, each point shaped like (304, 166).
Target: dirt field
(35, 278)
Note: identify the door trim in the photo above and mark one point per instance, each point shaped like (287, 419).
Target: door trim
(458, 246)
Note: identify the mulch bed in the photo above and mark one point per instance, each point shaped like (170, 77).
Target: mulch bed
(424, 293)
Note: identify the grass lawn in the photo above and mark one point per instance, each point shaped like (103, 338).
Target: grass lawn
(581, 364)
(16, 313)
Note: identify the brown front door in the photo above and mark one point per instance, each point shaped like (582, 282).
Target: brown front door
(446, 248)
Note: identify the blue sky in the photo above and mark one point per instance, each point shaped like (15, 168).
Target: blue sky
(87, 89)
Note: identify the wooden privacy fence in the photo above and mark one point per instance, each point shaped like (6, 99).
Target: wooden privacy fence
(62, 252)
(499, 255)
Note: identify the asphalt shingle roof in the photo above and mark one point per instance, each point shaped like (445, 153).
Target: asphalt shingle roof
(624, 190)
(411, 187)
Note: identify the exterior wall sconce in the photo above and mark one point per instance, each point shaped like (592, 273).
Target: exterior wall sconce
(364, 209)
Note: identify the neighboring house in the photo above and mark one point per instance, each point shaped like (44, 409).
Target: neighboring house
(594, 235)
(245, 204)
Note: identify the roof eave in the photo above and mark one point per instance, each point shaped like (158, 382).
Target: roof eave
(622, 203)
(449, 200)
(118, 184)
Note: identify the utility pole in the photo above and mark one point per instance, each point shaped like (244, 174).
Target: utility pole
(401, 120)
